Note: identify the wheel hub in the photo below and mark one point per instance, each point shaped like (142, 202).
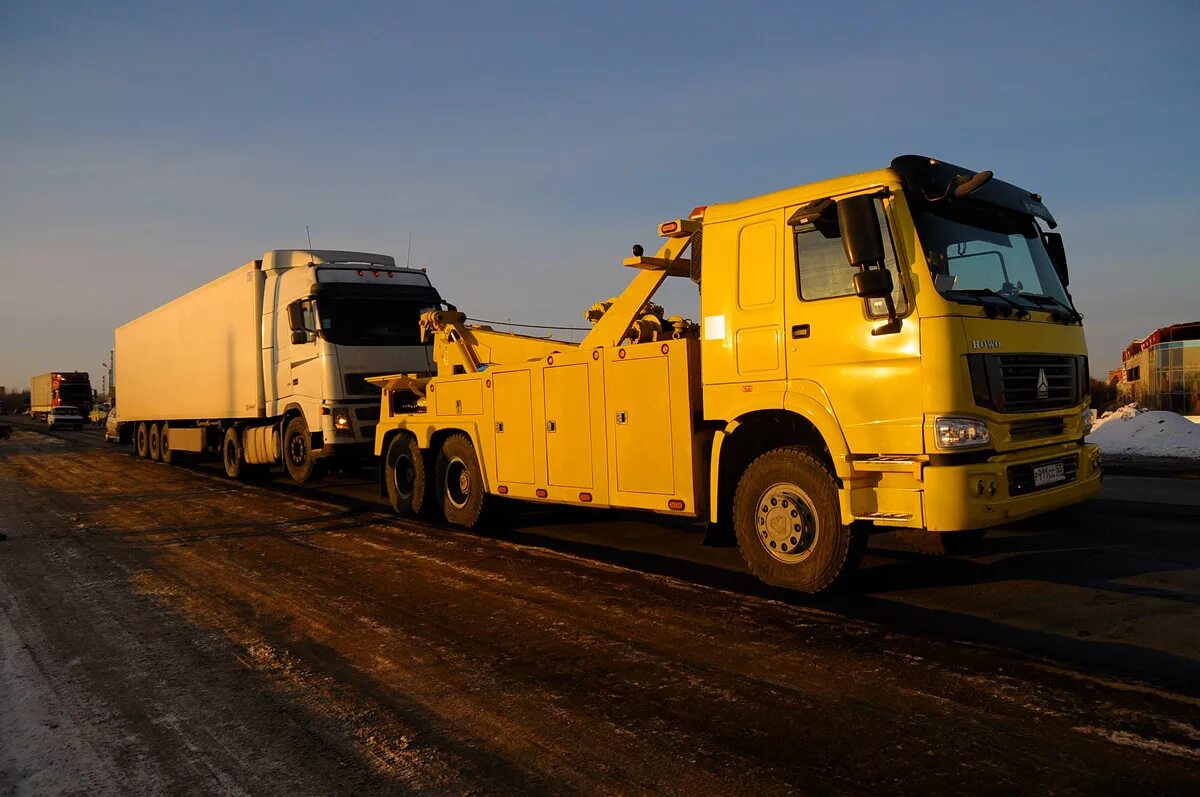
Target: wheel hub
(458, 482)
(786, 522)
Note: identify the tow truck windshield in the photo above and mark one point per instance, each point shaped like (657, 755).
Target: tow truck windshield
(978, 254)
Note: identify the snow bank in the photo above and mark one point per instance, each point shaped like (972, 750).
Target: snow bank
(1134, 432)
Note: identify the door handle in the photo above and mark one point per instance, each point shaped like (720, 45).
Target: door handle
(800, 331)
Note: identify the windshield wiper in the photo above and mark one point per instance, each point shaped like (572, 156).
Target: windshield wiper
(1022, 312)
(1043, 299)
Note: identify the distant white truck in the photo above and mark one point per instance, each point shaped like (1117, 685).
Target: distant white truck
(270, 362)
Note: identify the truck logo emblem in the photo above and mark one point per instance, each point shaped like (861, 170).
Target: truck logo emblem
(985, 344)
(1043, 385)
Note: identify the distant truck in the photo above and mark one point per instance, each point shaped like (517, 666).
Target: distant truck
(59, 388)
(270, 362)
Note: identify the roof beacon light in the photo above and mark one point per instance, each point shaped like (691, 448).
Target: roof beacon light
(697, 213)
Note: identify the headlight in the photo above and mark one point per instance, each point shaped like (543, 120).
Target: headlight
(341, 419)
(1089, 418)
(960, 433)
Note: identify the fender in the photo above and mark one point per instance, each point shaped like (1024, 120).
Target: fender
(807, 400)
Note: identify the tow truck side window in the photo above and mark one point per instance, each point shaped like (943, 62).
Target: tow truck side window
(822, 270)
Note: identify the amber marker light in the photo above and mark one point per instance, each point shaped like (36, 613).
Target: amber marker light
(541, 492)
(585, 497)
(668, 227)
(675, 504)
(502, 489)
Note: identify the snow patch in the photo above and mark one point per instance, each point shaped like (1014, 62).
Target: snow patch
(1136, 432)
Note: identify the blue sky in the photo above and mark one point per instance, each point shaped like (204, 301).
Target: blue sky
(147, 148)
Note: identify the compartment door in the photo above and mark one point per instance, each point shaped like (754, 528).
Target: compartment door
(568, 426)
(514, 426)
(639, 422)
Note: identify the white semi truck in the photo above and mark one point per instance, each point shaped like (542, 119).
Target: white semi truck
(270, 362)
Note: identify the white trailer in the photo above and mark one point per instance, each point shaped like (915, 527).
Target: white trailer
(269, 362)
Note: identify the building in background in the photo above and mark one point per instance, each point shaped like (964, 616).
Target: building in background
(1162, 370)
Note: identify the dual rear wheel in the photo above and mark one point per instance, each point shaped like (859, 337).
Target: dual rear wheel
(420, 484)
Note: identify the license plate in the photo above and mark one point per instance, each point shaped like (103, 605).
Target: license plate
(1048, 474)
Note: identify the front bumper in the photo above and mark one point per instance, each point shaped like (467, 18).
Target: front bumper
(952, 501)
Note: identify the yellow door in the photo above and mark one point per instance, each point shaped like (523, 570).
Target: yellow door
(568, 426)
(873, 381)
(514, 426)
(639, 423)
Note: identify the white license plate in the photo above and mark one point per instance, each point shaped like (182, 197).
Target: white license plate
(1048, 474)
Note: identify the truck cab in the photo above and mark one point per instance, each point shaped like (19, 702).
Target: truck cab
(331, 321)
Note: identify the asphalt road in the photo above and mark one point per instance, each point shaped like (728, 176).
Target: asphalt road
(164, 630)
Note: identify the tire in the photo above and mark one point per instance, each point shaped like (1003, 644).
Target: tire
(788, 522)
(141, 440)
(231, 453)
(154, 449)
(406, 475)
(164, 449)
(297, 452)
(460, 482)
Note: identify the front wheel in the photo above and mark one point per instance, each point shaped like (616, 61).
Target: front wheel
(788, 522)
(297, 451)
(460, 482)
(406, 476)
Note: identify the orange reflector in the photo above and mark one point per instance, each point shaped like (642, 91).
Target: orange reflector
(668, 227)
(747, 388)
(665, 348)
(324, 410)
(697, 212)
(585, 497)
(502, 489)
(541, 493)
(621, 354)
(675, 504)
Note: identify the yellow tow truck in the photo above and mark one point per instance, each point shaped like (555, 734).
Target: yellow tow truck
(895, 349)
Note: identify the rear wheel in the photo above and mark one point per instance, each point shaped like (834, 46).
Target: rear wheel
(154, 447)
(297, 451)
(141, 440)
(406, 476)
(460, 482)
(788, 522)
(164, 446)
(231, 453)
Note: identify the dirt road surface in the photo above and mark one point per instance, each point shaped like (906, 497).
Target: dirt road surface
(164, 630)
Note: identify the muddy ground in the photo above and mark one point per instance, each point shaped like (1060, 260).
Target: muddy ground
(164, 630)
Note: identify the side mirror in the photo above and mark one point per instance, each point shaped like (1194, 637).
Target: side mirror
(299, 336)
(873, 284)
(295, 316)
(860, 231)
(1058, 255)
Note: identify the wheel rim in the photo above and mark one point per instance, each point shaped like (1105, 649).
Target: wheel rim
(785, 522)
(458, 482)
(404, 476)
(298, 450)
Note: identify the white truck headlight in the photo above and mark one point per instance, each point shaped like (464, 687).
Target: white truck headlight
(341, 419)
(961, 433)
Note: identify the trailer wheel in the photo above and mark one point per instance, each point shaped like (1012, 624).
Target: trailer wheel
(460, 482)
(141, 440)
(164, 446)
(154, 448)
(297, 451)
(788, 522)
(231, 453)
(406, 475)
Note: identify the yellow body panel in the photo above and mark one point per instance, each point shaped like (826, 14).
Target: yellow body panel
(639, 416)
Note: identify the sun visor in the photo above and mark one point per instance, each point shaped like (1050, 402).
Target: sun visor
(932, 178)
